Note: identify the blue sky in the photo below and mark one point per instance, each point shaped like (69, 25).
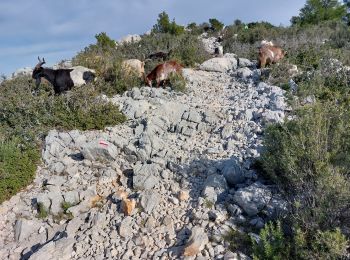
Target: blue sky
(58, 29)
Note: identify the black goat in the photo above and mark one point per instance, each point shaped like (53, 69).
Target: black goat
(160, 55)
(61, 79)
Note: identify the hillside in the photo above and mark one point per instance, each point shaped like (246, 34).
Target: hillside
(227, 161)
(176, 157)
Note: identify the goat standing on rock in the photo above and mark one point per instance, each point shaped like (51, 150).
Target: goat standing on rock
(62, 79)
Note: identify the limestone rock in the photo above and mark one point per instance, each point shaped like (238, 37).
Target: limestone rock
(196, 242)
(253, 198)
(100, 150)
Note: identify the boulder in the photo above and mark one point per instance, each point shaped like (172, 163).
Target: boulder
(222, 64)
(233, 172)
(130, 38)
(242, 62)
(100, 150)
(196, 242)
(216, 181)
(26, 71)
(149, 200)
(183, 195)
(146, 176)
(61, 249)
(125, 229)
(253, 198)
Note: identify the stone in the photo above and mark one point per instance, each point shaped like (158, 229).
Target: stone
(149, 200)
(128, 206)
(210, 194)
(146, 176)
(24, 228)
(216, 181)
(258, 223)
(100, 150)
(242, 62)
(183, 195)
(130, 38)
(125, 229)
(61, 249)
(210, 117)
(72, 197)
(220, 64)
(244, 73)
(26, 71)
(196, 242)
(253, 198)
(226, 131)
(174, 200)
(234, 210)
(233, 172)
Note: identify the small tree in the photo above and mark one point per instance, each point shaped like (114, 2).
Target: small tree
(316, 11)
(237, 22)
(104, 41)
(216, 25)
(165, 26)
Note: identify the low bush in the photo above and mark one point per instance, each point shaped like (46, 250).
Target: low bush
(27, 113)
(273, 244)
(42, 211)
(17, 167)
(29, 116)
(177, 82)
(239, 241)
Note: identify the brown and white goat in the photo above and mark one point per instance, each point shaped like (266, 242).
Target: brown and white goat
(269, 54)
(162, 72)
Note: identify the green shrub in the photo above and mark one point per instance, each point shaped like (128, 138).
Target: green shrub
(189, 51)
(25, 118)
(42, 210)
(165, 26)
(305, 157)
(239, 241)
(104, 41)
(30, 116)
(316, 11)
(322, 245)
(17, 167)
(216, 25)
(273, 244)
(177, 82)
(118, 80)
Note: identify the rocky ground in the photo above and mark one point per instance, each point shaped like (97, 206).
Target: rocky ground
(167, 184)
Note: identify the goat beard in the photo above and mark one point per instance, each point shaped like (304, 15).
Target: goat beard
(37, 81)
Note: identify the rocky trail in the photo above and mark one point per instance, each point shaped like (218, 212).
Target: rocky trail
(167, 184)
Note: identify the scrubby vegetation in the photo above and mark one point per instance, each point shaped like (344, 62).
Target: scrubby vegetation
(307, 157)
(26, 114)
(17, 167)
(182, 46)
